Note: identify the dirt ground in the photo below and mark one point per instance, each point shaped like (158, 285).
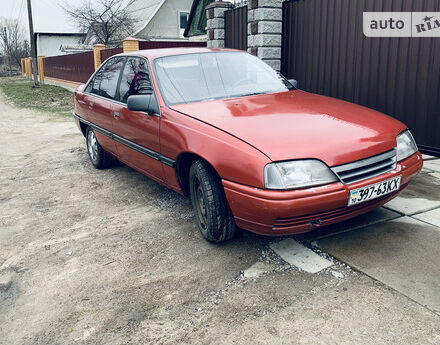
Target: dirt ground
(111, 257)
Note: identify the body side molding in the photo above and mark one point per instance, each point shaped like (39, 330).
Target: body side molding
(150, 153)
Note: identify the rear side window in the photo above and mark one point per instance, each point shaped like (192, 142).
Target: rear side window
(135, 79)
(110, 77)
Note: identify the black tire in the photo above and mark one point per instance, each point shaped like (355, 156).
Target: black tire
(99, 158)
(213, 214)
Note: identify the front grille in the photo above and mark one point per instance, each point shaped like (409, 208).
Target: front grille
(366, 168)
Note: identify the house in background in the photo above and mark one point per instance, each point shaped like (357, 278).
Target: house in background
(54, 43)
(160, 19)
(196, 29)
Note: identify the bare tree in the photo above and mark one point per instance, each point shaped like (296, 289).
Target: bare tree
(106, 21)
(13, 42)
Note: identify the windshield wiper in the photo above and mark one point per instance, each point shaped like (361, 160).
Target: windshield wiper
(250, 94)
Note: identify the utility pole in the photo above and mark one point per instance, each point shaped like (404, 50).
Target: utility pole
(33, 48)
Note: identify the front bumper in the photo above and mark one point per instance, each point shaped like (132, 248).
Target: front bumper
(277, 213)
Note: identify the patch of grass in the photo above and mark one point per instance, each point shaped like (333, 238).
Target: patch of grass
(47, 98)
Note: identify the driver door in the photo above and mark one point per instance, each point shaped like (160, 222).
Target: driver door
(139, 144)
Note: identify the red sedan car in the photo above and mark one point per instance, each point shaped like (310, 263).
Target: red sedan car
(250, 149)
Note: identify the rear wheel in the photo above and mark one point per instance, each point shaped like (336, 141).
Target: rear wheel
(213, 215)
(99, 158)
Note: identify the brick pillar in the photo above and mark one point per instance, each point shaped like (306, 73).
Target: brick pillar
(97, 54)
(264, 31)
(215, 14)
(41, 68)
(130, 44)
(22, 67)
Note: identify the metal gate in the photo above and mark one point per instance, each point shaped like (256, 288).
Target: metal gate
(324, 48)
(236, 21)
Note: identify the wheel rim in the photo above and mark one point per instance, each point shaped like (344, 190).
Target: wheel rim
(93, 146)
(199, 199)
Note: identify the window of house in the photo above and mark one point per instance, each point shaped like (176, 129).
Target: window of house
(135, 79)
(183, 22)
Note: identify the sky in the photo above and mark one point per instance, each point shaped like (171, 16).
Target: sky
(48, 16)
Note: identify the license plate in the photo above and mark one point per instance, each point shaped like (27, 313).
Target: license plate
(374, 191)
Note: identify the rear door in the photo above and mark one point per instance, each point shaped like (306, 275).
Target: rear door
(136, 127)
(100, 98)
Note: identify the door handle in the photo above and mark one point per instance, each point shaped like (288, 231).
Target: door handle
(91, 104)
(116, 114)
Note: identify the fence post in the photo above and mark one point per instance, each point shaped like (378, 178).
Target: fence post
(97, 54)
(41, 68)
(130, 44)
(264, 30)
(215, 14)
(28, 67)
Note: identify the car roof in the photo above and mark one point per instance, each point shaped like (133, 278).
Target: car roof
(157, 53)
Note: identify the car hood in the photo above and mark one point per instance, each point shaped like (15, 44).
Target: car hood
(298, 125)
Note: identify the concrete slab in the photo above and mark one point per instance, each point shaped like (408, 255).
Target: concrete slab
(299, 256)
(435, 175)
(431, 217)
(376, 216)
(402, 253)
(258, 269)
(428, 157)
(422, 195)
(412, 206)
(433, 165)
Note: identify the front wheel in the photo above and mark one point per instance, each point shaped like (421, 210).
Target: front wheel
(213, 215)
(99, 158)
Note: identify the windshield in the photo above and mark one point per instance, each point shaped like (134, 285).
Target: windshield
(200, 77)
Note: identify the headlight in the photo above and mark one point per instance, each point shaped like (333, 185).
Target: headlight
(406, 145)
(297, 174)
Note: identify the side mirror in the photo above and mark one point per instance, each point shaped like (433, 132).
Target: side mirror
(294, 82)
(145, 103)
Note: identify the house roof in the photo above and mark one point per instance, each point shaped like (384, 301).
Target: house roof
(75, 48)
(143, 11)
(59, 33)
(197, 18)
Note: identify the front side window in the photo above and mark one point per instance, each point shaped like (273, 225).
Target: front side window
(135, 79)
(199, 77)
(110, 77)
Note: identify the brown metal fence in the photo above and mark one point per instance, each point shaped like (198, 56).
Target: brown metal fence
(169, 44)
(106, 53)
(74, 67)
(325, 50)
(236, 28)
